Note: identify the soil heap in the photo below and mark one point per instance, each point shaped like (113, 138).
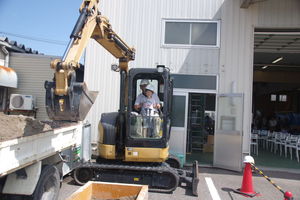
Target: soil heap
(15, 126)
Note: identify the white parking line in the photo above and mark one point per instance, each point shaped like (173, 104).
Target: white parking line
(212, 189)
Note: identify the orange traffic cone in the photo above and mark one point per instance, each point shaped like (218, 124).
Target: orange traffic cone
(247, 186)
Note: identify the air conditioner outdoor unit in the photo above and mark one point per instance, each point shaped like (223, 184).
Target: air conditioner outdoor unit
(21, 102)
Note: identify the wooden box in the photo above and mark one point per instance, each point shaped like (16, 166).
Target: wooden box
(208, 148)
(103, 191)
(210, 139)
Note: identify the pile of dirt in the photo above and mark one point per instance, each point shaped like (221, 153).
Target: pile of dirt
(58, 124)
(15, 126)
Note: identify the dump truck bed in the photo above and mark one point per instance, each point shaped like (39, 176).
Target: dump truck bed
(24, 151)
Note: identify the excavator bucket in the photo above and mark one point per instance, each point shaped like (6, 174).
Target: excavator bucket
(71, 107)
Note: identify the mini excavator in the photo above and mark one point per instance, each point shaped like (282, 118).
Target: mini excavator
(130, 151)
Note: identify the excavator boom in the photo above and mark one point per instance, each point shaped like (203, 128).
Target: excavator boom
(67, 97)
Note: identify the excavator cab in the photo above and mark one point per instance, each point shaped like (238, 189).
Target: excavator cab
(149, 127)
(144, 132)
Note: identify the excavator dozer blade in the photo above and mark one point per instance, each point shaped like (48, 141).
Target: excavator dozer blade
(195, 180)
(190, 177)
(71, 107)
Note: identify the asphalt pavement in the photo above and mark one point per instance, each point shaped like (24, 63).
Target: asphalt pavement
(218, 184)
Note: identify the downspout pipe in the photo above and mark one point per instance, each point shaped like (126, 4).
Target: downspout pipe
(6, 52)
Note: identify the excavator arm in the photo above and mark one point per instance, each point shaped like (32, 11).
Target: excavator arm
(67, 99)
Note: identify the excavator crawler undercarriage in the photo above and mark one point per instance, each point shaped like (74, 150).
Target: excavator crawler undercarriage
(160, 177)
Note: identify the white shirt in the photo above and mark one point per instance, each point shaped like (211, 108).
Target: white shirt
(147, 104)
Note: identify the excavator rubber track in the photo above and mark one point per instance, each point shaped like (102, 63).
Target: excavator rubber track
(160, 177)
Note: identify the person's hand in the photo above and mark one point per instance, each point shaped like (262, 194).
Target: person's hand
(137, 107)
(157, 106)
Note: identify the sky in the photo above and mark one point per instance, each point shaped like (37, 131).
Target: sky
(29, 21)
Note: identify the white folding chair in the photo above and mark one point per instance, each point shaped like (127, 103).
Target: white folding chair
(271, 140)
(298, 149)
(295, 146)
(263, 135)
(283, 137)
(291, 142)
(277, 141)
(254, 143)
(255, 131)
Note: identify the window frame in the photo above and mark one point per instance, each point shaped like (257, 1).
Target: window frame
(164, 45)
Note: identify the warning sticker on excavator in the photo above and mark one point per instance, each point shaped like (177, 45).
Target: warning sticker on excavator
(135, 153)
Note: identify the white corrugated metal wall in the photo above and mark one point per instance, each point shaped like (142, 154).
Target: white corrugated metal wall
(32, 71)
(139, 23)
(236, 55)
(278, 14)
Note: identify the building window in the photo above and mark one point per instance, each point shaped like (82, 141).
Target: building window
(282, 98)
(182, 33)
(273, 97)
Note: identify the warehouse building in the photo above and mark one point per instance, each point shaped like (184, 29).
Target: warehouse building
(222, 54)
(23, 72)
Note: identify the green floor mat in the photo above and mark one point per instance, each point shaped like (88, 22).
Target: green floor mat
(265, 158)
(202, 158)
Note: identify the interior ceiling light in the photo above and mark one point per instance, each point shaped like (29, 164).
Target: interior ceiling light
(277, 60)
(273, 62)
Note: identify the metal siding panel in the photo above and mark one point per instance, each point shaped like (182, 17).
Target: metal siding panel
(2, 56)
(236, 56)
(191, 61)
(99, 77)
(32, 71)
(278, 13)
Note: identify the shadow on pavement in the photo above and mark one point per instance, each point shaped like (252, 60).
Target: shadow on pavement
(228, 190)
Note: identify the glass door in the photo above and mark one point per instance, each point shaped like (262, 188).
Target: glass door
(229, 132)
(179, 123)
